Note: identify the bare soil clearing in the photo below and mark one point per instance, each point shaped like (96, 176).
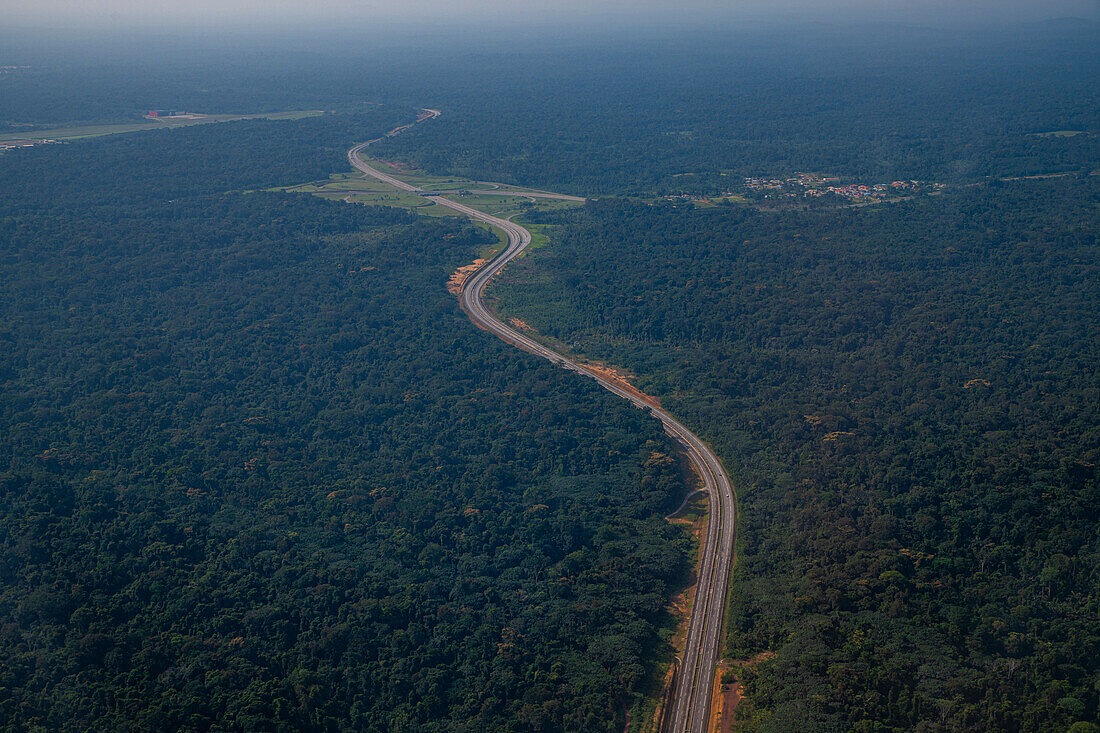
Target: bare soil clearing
(462, 274)
(729, 696)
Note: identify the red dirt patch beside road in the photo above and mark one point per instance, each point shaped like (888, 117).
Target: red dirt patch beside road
(396, 165)
(521, 325)
(729, 696)
(620, 379)
(461, 275)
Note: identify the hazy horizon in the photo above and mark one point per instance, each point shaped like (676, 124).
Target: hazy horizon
(100, 16)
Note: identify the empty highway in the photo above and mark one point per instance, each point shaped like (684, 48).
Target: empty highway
(693, 684)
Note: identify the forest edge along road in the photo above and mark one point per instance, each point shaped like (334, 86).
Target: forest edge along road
(692, 691)
(693, 685)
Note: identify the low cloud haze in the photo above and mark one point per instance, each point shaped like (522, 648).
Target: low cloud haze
(349, 14)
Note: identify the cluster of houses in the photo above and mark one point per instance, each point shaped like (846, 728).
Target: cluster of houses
(805, 180)
(810, 185)
(12, 144)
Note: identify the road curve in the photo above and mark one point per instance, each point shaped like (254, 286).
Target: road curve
(693, 683)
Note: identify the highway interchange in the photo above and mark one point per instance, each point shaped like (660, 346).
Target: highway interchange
(693, 683)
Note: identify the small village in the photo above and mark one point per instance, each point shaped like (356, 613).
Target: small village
(809, 185)
(802, 186)
(24, 143)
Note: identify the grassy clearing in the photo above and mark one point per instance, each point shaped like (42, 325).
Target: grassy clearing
(400, 199)
(445, 183)
(356, 188)
(694, 510)
(1059, 133)
(291, 115)
(490, 251)
(538, 236)
(83, 131)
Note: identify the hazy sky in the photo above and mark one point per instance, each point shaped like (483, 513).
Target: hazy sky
(286, 14)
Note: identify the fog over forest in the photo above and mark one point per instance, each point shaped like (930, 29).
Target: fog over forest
(216, 16)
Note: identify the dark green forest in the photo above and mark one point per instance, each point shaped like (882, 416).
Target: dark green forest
(906, 397)
(258, 471)
(683, 111)
(698, 115)
(125, 172)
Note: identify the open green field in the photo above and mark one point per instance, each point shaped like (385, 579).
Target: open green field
(1059, 133)
(73, 133)
(355, 188)
(693, 510)
(445, 183)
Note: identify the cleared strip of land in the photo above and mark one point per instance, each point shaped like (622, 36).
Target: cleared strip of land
(73, 133)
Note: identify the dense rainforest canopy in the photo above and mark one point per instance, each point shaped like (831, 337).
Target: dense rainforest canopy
(258, 471)
(908, 399)
(678, 111)
(700, 115)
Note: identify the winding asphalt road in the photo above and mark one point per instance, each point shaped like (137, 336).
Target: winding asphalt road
(694, 681)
